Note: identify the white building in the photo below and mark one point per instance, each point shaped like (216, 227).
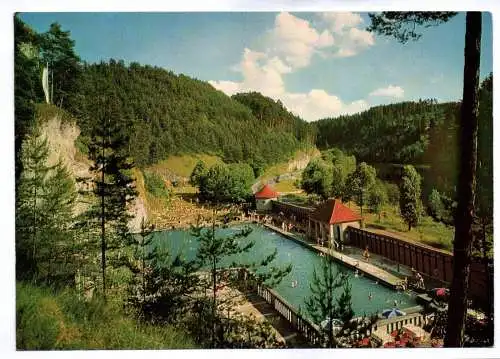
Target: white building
(264, 198)
(329, 220)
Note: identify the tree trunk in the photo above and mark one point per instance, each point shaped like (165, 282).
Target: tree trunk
(462, 247)
(103, 226)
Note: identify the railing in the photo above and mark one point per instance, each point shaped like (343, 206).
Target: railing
(396, 323)
(305, 327)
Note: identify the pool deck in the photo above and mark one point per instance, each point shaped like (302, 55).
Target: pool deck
(365, 267)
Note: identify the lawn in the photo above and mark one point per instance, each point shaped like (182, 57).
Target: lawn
(429, 232)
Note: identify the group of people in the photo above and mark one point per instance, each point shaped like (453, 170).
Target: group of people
(287, 227)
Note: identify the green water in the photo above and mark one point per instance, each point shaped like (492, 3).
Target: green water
(303, 261)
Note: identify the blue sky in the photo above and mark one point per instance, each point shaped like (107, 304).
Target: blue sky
(318, 64)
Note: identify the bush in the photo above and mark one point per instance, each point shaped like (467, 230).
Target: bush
(436, 207)
(156, 186)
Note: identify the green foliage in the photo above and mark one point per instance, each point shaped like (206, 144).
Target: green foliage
(37, 325)
(484, 184)
(156, 186)
(48, 320)
(436, 206)
(44, 203)
(227, 183)
(410, 203)
(27, 85)
(112, 188)
(442, 153)
(175, 114)
(57, 50)
(275, 115)
(198, 172)
(402, 24)
(377, 197)
(317, 178)
(342, 166)
(331, 300)
(392, 191)
(395, 133)
(213, 250)
(360, 183)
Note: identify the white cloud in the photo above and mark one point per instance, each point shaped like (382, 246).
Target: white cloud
(361, 38)
(228, 87)
(349, 39)
(389, 91)
(338, 21)
(290, 46)
(295, 40)
(317, 104)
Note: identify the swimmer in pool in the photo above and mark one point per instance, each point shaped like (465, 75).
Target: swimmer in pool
(294, 284)
(356, 274)
(370, 296)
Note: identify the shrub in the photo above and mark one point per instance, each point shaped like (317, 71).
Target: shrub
(156, 186)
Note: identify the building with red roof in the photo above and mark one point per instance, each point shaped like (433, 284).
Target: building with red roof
(329, 220)
(264, 198)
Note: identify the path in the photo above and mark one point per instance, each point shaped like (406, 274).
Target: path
(256, 306)
(251, 304)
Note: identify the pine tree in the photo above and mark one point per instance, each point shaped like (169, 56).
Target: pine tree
(213, 254)
(410, 203)
(44, 206)
(402, 26)
(57, 50)
(330, 301)
(112, 184)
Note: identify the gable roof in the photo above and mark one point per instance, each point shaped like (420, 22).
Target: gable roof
(266, 193)
(333, 211)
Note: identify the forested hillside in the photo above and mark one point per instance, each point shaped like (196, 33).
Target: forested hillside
(167, 114)
(395, 133)
(422, 133)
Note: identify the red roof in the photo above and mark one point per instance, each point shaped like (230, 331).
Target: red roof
(333, 211)
(266, 193)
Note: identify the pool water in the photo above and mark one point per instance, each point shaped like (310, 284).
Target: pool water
(303, 262)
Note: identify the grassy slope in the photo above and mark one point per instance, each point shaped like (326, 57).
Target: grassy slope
(59, 320)
(182, 165)
(429, 232)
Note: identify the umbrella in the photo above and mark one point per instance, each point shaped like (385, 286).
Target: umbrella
(441, 292)
(394, 312)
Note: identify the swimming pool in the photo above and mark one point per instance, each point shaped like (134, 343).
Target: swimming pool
(303, 262)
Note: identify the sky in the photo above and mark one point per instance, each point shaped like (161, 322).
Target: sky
(319, 64)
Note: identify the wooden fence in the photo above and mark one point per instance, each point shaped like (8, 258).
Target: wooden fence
(431, 262)
(309, 330)
(391, 324)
